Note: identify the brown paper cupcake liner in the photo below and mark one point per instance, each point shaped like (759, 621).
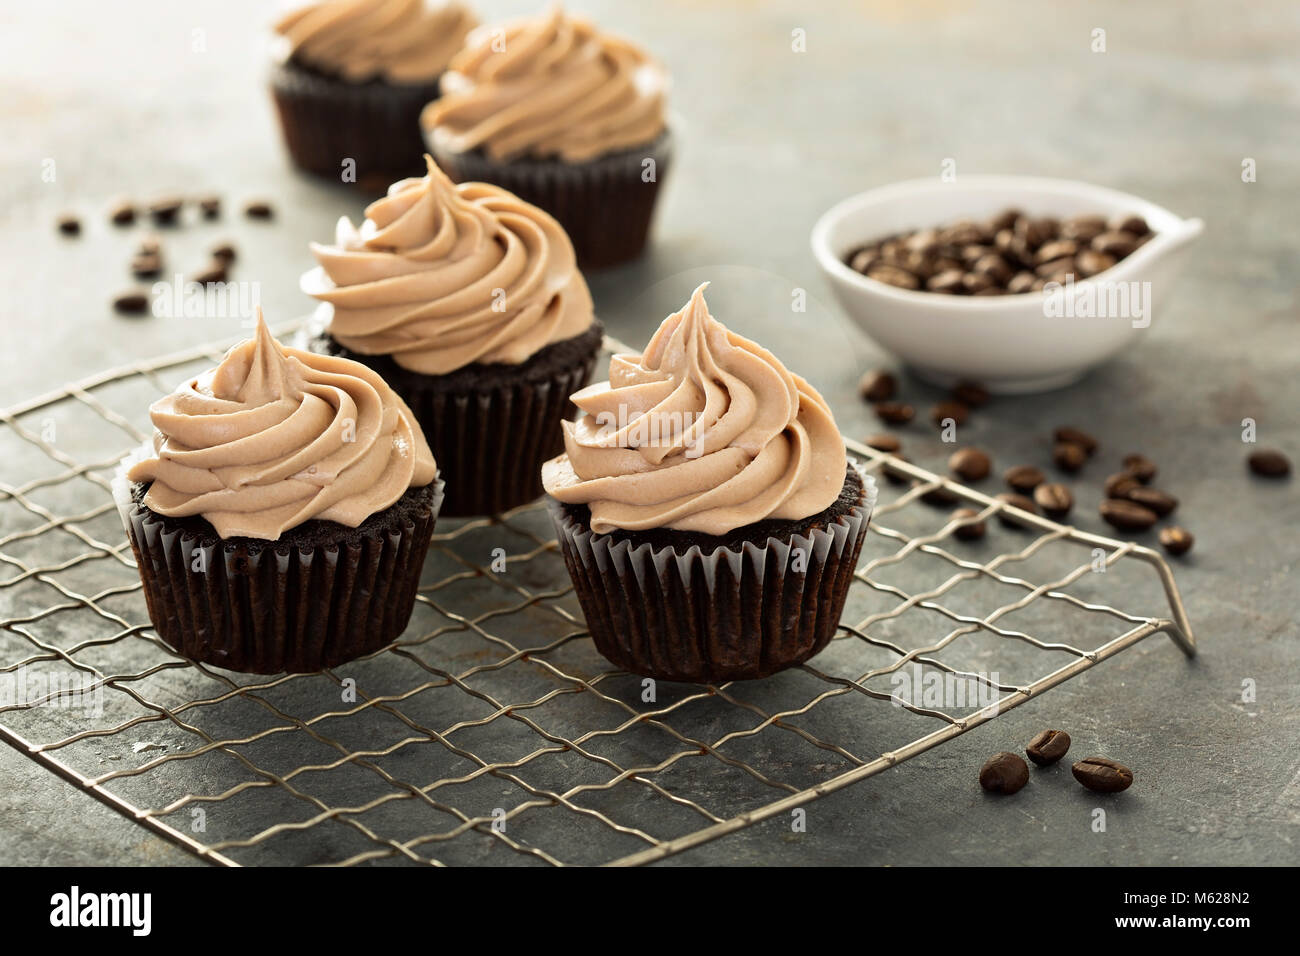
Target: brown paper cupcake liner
(326, 120)
(322, 595)
(603, 204)
(737, 612)
(491, 426)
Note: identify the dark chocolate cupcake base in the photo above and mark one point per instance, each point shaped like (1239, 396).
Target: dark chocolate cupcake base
(321, 595)
(490, 426)
(606, 204)
(708, 609)
(327, 120)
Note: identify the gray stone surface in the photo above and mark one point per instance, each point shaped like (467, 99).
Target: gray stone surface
(124, 104)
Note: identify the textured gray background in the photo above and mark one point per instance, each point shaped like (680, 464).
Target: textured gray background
(768, 139)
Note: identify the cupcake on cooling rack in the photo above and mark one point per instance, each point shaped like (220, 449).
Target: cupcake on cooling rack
(706, 508)
(470, 304)
(282, 514)
(564, 116)
(351, 77)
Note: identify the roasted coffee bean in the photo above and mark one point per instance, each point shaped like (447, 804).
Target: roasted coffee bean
(893, 275)
(941, 497)
(972, 254)
(1056, 270)
(146, 266)
(924, 241)
(949, 282)
(883, 442)
(895, 413)
(149, 245)
(864, 259)
(258, 209)
(1016, 501)
(69, 225)
(1021, 283)
(970, 464)
(1161, 502)
(1101, 775)
(1118, 484)
(1269, 463)
(1068, 456)
(1057, 249)
(1048, 747)
(1075, 436)
(1176, 540)
(132, 303)
(994, 266)
(972, 531)
(1140, 467)
(1004, 773)
(1006, 219)
(1117, 244)
(122, 212)
(1127, 515)
(1083, 228)
(1032, 232)
(210, 206)
(947, 409)
(1090, 262)
(215, 272)
(991, 290)
(224, 252)
(878, 386)
(1054, 498)
(1024, 478)
(963, 233)
(1131, 223)
(165, 210)
(975, 283)
(971, 394)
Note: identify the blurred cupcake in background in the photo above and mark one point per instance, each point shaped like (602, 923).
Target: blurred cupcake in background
(469, 302)
(564, 116)
(351, 77)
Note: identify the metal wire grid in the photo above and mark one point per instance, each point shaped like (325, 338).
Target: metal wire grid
(534, 752)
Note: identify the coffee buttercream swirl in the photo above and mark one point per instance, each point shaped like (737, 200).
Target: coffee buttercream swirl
(440, 276)
(399, 41)
(705, 431)
(274, 436)
(548, 86)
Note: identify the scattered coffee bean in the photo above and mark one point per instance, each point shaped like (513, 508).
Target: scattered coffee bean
(1127, 515)
(1119, 484)
(1102, 776)
(1176, 540)
(1021, 283)
(1269, 463)
(69, 225)
(1004, 773)
(863, 259)
(1140, 467)
(1068, 456)
(948, 282)
(883, 442)
(1075, 436)
(1016, 501)
(224, 252)
(1054, 498)
(1048, 747)
(893, 275)
(146, 266)
(1117, 244)
(1024, 478)
(131, 303)
(215, 272)
(971, 394)
(972, 531)
(210, 206)
(1057, 249)
(122, 212)
(970, 464)
(165, 210)
(258, 209)
(878, 386)
(895, 413)
(1161, 502)
(949, 409)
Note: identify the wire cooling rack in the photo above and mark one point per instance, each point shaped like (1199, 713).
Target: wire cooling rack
(492, 732)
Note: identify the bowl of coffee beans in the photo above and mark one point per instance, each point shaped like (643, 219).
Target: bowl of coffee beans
(1017, 282)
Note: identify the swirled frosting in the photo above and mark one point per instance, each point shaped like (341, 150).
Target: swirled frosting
(550, 86)
(274, 436)
(399, 41)
(440, 276)
(705, 431)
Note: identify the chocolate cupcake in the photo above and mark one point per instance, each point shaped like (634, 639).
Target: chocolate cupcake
(282, 514)
(708, 514)
(351, 77)
(469, 303)
(564, 116)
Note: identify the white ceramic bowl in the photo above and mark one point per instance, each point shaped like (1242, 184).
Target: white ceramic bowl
(1012, 343)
